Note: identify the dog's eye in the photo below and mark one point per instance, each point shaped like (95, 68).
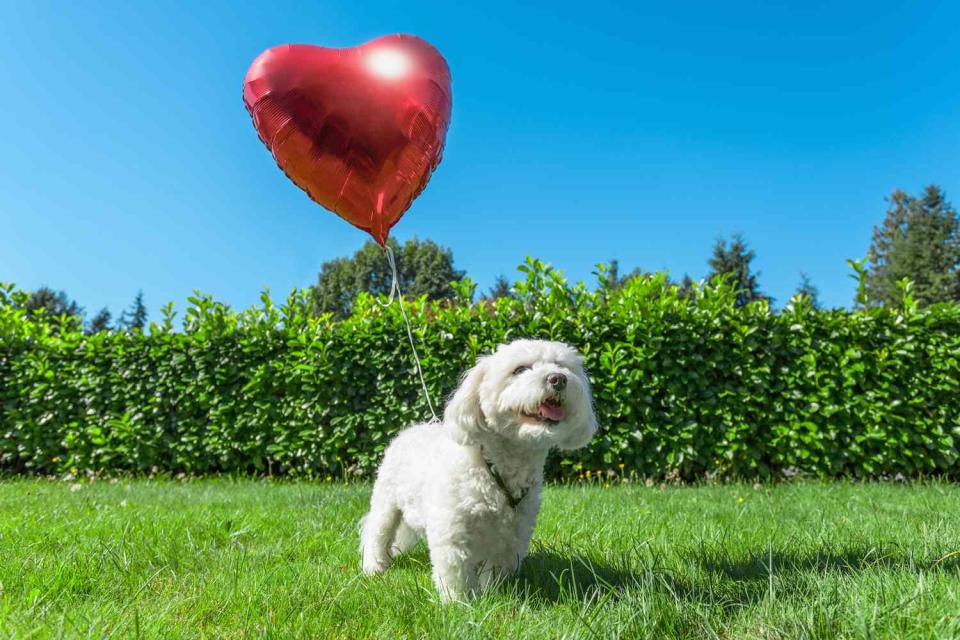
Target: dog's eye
(520, 370)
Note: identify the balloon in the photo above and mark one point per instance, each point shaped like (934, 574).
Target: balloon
(359, 129)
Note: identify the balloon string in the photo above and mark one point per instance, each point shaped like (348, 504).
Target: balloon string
(395, 289)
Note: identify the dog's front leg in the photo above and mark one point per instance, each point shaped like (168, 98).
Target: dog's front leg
(454, 577)
(519, 546)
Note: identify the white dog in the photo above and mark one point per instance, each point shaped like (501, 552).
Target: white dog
(471, 485)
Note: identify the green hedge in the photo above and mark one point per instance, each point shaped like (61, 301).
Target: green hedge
(684, 386)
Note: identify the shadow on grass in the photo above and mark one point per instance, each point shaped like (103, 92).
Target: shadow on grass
(555, 576)
(760, 565)
(417, 559)
(726, 583)
(698, 578)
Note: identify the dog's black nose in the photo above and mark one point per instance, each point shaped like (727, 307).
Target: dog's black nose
(557, 380)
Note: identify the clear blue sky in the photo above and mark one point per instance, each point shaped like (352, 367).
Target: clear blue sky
(581, 132)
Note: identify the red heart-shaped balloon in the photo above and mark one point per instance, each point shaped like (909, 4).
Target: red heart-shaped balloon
(359, 129)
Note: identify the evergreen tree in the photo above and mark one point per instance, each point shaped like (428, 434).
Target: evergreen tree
(425, 268)
(918, 240)
(734, 260)
(53, 304)
(135, 318)
(686, 286)
(100, 322)
(615, 280)
(502, 288)
(809, 290)
(613, 274)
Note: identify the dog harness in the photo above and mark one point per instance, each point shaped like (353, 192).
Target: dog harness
(513, 502)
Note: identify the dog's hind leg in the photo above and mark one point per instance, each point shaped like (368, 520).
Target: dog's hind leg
(377, 531)
(404, 539)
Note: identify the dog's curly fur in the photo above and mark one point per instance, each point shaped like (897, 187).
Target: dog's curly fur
(439, 481)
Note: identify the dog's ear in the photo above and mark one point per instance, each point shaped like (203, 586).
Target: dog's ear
(583, 430)
(463, 416)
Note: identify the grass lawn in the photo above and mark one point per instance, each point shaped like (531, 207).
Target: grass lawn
(224, 558)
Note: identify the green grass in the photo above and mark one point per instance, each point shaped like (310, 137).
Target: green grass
(221, 558)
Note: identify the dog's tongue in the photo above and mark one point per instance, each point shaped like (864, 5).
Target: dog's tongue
(550, 412)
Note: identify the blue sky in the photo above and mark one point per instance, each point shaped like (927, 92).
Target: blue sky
(581, 132)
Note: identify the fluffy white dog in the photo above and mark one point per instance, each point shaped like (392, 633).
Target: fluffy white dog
(471, 486)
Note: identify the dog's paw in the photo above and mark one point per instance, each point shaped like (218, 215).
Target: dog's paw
(374, 566)
(452, 596)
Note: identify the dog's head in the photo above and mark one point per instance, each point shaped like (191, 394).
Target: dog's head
(533, 392)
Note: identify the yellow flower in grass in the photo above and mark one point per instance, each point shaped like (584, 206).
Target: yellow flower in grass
(588, 474)
(740, 499)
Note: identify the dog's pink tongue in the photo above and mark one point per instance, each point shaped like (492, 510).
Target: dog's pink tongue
(550, 412)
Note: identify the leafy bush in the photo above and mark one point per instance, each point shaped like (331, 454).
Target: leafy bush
(685, 385)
